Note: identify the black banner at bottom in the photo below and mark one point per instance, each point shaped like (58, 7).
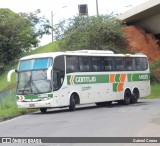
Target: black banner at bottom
(39, 140)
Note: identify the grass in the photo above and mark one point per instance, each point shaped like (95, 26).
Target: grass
(8, 107)
(155, 91)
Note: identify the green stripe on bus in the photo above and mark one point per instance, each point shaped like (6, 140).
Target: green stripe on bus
(87, 79)
(35, 96)
(117, 77)
(28, 96)
(129, 77)
(115, 87)
(31, 96)
(138, 77)
(93, 79)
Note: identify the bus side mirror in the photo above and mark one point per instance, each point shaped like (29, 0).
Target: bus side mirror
(10, 74)
(49, 73)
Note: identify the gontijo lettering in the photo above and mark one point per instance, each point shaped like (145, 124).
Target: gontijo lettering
(85, 79)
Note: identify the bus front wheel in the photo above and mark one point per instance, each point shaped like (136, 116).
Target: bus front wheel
(43, 110)
(72, 106)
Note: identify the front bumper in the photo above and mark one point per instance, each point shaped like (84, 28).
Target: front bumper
(37, 104)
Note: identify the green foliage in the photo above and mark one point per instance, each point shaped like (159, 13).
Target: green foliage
(8, 107)
(155, 92)
(95, 33)
(155, 72)
(19, 33)
(51, 47)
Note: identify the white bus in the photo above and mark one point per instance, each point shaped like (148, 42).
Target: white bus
(66, 79)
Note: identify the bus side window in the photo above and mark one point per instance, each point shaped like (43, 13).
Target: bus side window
(71, 64)
(129, 64)
(138, 64)
(96, 64)
(108, 64)
(119, 63)
(55, 80)
(58, 72)
(141, 63)
(85, 63)
(145, 63)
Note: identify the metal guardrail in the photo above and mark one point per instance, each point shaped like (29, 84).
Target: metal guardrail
(8, 92)
(5, 93)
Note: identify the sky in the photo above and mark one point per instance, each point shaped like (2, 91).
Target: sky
(64, 9)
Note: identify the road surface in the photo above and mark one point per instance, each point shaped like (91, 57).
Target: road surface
(136, 120)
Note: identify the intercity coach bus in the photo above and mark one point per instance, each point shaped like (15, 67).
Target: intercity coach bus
(66, 79)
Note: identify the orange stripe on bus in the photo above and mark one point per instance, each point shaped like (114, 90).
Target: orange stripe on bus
(112, 78)
(120, 87)
(122, 77)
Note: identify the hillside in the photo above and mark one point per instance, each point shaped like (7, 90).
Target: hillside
(52, 47)
(142, 42)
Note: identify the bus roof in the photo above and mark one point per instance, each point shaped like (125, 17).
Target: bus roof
(43, 55)
(82, 53)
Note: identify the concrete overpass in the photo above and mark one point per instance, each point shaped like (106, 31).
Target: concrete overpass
(146, 16)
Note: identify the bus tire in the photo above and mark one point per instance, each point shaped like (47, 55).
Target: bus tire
(43, 110)
(72, 106)
(120, 102)
(108, 102)
(127, 97)
(135, 96)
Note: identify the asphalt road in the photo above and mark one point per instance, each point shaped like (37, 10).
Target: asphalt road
(136, 120)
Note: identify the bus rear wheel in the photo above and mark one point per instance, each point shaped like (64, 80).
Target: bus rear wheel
(127, 97)
(43, 110)
(72, 106)
(135, 96)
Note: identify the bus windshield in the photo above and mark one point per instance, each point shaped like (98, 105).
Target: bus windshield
(32, 64)
(32, 76)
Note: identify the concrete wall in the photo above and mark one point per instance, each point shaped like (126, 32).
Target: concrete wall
(146, 16)
(151, 24)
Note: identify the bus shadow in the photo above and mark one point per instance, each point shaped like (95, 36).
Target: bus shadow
(91, 106)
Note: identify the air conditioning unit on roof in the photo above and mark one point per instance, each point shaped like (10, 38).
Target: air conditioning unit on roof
(92, 51)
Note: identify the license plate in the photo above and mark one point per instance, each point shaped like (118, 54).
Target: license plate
(31, 105)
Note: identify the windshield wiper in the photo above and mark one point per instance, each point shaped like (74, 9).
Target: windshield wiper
(28, 83)
(35, 87)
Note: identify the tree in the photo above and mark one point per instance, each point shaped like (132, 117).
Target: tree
(84, 32)
(155, 72)
(19, 33)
